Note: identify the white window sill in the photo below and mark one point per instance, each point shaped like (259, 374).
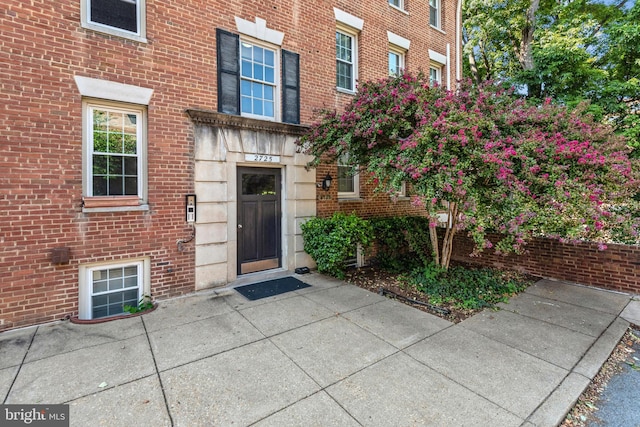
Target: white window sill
(398, 9)
(349, 199)
(438, 29)
(115, 32)
(347, 91)
(143, 207)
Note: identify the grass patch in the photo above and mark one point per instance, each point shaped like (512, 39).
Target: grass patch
(468, 288)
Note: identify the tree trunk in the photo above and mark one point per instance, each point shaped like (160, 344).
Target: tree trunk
(433, 235)
(525, 51)
(447, 242)
(526, 43)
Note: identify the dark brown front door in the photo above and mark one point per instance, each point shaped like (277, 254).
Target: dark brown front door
(259, 219)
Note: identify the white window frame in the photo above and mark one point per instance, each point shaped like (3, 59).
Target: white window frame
(140, 35)
(85, 290)
(277, 86)
(88, 106)
(355, 177)
(398, 45)
(354, 59)
(437, 68)
(435, 5)
(400, 54)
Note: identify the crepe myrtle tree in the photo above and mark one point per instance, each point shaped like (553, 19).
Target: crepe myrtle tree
(489, 160)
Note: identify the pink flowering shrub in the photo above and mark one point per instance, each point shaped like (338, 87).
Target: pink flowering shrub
(484, 156)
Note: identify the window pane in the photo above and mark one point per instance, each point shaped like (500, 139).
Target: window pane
(245, 88)
(246, 105)
(115, 13)
(130, 186)
(99, 120)
(100, 142)
(257, 106)
(258, 72)
(114, 186)
(130, 144)
(99, 312)
(99, 186)
(115, 143)
(269, 75)
(131, 166)
(268, 92)
(269, 58)
(258, 184)
(115, 273)
(247, 51)
(246, 69)
(268, 109)
(99, 286)
(344, 75)
(258, 55)
(99, 300)
(345, 179)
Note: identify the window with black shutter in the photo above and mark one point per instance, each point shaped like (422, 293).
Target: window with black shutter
(228, 48)
(290, 87)
(248, 83)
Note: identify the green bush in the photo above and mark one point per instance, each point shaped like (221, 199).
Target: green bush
(467, 287)
(332, 241)
(403, 242)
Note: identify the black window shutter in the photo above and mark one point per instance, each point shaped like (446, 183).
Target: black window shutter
(290, 87)
(228, 51)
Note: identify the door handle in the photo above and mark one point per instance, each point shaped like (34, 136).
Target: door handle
(239, 225)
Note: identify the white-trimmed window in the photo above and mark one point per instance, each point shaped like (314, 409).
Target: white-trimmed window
(434, 13)
(124, 18)
(346, 54)
(348, 179)
(398, 47)
(397, 3)
(106, 289)
(256, 77)
(258, 80)
(115, 147)
(348, 27)
(396, 62)
(435, 74)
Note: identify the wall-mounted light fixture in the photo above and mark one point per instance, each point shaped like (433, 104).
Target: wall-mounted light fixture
(326, 182)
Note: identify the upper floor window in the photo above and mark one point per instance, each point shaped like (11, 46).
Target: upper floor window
(345, 61)
(257, 81)
(398, 47)
(434, 13)
(397, 3)
(348, 27)
(125, 18)
(396, 63)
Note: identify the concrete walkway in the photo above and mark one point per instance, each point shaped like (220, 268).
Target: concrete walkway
(329, 355)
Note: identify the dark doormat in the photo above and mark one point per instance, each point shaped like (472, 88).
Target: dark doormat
(271, 288)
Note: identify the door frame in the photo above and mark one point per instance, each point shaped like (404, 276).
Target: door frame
(268, 263)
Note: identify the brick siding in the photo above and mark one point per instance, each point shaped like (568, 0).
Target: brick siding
(615, 268)
(44, 46)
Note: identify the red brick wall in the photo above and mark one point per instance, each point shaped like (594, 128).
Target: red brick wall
(44, 46)
(615, 268)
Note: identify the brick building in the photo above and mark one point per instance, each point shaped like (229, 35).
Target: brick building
(148, 145)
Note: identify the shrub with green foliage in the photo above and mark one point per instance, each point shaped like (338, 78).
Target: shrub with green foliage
(466, 287)
(332, 241)
(403, 243)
